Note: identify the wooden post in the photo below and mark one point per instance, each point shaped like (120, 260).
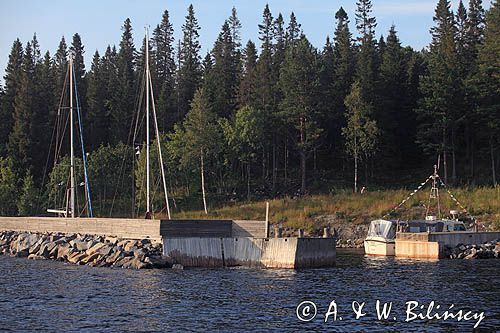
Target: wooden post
(301, 233)
(267, 219)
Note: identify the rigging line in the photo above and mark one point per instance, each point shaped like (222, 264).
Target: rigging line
(59, 125)
(121, 176)
(85, 171)
(408, 197)
(160, 158)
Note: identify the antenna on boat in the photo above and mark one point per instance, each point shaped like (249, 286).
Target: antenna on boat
(434, 192)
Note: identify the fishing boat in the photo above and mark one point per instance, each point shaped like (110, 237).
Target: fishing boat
(381, 237)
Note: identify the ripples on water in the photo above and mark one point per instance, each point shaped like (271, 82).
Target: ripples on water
(52, 296)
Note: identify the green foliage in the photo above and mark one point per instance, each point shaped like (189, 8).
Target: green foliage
(361, 131)
(110, 174)
(59, 184)
(28, 200)
(8, 188)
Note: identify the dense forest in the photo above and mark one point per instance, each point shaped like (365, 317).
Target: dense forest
(258, 119)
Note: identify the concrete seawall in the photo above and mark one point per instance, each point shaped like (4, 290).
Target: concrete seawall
(252, 252)
(203, 243)
(433, 245)
(122, 228)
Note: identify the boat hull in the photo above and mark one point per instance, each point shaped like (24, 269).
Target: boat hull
(378, 246)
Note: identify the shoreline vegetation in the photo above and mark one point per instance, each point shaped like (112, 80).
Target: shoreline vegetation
(346, 210)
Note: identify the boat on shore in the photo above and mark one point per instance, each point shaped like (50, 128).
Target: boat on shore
(381, 237)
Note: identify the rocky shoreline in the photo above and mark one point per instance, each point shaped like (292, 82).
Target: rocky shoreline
(476, 251)
(97, 251)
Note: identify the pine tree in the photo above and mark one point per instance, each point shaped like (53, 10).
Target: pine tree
(190, 63)
(12, 80)
(163, 47)
(299, 84)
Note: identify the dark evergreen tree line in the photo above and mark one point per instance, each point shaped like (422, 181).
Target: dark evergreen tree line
(269, 118)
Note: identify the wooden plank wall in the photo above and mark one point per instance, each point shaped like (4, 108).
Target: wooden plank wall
(247, 228)
(196, 228)
(122, 228)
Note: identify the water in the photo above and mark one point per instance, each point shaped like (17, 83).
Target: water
(53, 296)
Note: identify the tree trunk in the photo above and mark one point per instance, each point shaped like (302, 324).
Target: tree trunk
(355, 173)
(493, 169)
(203, 182)
(248, 181)
(453, 157)
(445, 164)
(286, 161)
(302, 157)
(275, 166)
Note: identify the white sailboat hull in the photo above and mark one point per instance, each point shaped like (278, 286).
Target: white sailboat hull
(380, 246)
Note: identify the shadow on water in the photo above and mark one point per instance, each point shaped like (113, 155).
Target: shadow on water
(53, 296)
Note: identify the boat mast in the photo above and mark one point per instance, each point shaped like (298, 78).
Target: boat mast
(72, 159)
(147, 125)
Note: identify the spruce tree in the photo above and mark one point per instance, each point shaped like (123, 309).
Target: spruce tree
(125, 93)
(20, 138)
(366, 64)
(221, 84)
(299, 85)
(247, 89)
(60, 67)
(189, 63)
(12, 80)
(439, 89)
(487, 85)
(98, 117)
(393, 99)
(163, 47)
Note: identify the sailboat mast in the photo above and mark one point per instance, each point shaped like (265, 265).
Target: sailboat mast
(147, 125)
(72, 159)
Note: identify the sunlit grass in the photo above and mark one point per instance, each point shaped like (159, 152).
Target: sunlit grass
(483, 203)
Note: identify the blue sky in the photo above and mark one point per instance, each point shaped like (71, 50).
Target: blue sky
(99, 22)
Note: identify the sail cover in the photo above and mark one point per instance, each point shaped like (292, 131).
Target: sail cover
(382, 228)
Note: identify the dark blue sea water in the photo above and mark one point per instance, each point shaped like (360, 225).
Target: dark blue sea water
(52, 296)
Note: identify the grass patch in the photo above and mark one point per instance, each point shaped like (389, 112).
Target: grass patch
(483, 203)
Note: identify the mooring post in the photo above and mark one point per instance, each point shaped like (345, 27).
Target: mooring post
(267, 219)
(301, 233)
(278, 231)
(326, 232)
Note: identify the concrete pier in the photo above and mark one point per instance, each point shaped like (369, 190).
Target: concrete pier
(202, 243)
(432, 245)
